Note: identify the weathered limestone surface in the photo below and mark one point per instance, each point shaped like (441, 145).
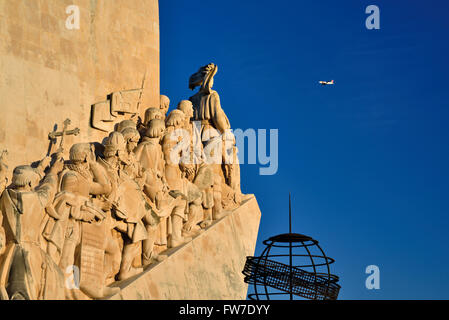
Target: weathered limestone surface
(206, 268)
(49, 73)
(113, 199)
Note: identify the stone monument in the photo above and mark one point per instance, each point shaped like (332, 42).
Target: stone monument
(104, 192)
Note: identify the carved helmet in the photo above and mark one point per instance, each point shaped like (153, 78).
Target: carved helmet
(114, 143)
(126, 124)
(80, 152)
(203, 76)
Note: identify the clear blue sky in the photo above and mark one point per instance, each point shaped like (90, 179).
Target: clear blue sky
(367, 160)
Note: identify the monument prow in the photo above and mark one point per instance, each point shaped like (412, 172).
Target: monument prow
(206, 268)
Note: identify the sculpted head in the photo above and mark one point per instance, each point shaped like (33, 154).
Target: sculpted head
(80, 153)
(156, 128)
(25, 177)
(115, 146)
(175, 119)
(164, 104)
(204, 77)
(152, 113)
(132, 138)
(126, 124)
(186, 107)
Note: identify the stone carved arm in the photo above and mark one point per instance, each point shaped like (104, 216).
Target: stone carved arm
(90, 211)
(43, 164)
(188, 170)
(75, 204)
(219, 118)
(81, 211)
(46, 191)
(102, 204)
(77, 213)
(101, 185)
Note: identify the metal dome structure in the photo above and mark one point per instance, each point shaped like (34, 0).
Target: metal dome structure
(292, 266)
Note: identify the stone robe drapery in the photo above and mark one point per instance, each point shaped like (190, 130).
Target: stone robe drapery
(128, 199)
(25, 268)
(207, 109)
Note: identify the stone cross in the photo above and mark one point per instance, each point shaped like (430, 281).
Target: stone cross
(54, 134)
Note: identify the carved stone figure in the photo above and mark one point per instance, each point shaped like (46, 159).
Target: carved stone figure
(173, 146)
(196, 170)
(151, 156)
(153, 113)
(176, 179)
(164, 105)
(150, 114)
(129, 204)
(83, 221)
(206, 103)
(146, 181)
(132, 166)
(149, 151)
(195, 154)
(26, 270)
(216, 136)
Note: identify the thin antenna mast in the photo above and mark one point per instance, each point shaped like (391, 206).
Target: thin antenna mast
(289, 212)
(290, 245)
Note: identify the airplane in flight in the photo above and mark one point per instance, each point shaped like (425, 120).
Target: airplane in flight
(323, 83)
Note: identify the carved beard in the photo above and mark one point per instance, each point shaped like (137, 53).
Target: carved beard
(84, 172)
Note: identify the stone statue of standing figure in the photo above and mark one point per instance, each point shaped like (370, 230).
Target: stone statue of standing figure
(217, 138)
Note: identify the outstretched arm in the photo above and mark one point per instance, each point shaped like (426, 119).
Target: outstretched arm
(47, 189)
